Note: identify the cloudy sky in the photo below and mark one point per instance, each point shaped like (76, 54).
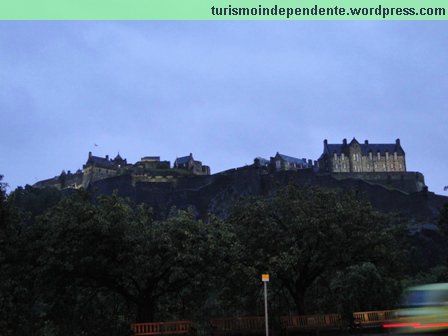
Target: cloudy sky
(225, 91)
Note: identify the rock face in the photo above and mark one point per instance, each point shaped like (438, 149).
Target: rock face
(217, 193)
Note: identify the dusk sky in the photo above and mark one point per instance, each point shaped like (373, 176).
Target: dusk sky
(225, 91)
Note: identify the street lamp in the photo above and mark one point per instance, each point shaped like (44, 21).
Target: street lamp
(265, 279)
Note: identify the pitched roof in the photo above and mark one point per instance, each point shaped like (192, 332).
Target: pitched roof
(366, 148)
(292, 159)
(183, 159)
(262, 161)
(100, 162)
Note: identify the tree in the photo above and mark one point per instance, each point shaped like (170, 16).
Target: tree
(117, 247)
(300, 235)
(32, 202)
(16, 288)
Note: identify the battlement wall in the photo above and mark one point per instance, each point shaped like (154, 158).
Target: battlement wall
(408, 182)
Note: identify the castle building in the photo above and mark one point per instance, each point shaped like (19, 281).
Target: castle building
(98, 168)
(64, 180)
(355, 157)
(285, 162)
(188, 163)
(153, 162)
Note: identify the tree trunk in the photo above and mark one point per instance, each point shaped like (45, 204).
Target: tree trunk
(299, 300)
(145, 311)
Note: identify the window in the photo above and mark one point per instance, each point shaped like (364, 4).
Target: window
(278, 164)
(387, 156)
(335, 156)
(370, 156)
(354, 157)
(342, 156)
(395, 156)
(379, 155)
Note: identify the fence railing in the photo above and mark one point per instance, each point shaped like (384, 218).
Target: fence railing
(161, 328)
(374, 318)
(328, 321)
(256, 324)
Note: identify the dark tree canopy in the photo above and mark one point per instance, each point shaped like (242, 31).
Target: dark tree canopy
(300, 235)
(71, 264)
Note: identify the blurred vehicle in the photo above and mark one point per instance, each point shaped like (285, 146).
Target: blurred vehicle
(424, 309)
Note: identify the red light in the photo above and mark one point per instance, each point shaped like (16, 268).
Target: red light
(432, 325)
(401, 325)
(416, 325)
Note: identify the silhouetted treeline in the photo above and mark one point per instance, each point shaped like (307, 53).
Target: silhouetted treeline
(73, 265)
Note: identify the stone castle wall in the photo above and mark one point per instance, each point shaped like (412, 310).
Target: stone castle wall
(218, 193)
(408, 182)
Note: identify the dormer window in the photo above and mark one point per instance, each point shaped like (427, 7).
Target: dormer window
(387, 156)
(342, 156)
(379, 155)
(395, 156)
(370, 156)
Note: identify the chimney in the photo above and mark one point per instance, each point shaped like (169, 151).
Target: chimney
(366, 142)
(107, 157)
(90, 155)
(325, 142)
(344, 142)
(397, 142)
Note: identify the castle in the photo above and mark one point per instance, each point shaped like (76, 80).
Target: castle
(148, 169)
(381, 164)
(356, 158)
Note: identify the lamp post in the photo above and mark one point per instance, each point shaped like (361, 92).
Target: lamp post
(265, 279)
